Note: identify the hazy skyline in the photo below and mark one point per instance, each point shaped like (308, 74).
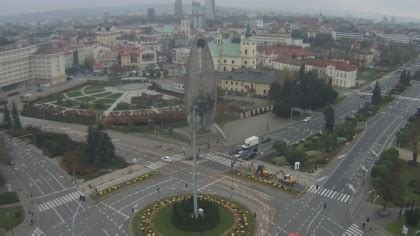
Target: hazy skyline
(406, 8)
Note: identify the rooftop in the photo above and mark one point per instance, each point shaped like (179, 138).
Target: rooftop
(248, 75)
(286, 52)
(225, 49)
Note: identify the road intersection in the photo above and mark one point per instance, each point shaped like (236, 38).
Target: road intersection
(58, 210)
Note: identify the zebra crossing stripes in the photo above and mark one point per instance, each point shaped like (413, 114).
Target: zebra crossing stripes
(342, 197)
(219, 159)
(159, 164)
(59, 201)
(353, 230)
(38, 232)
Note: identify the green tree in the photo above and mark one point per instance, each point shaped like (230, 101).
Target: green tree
(376, 94)
(100, 148)
(15, 116)
(294, 155)
(412, 216)
(115, 71)
(7, 120)
(275, 93)
(329, 118)
(416, 75)
(280, 147)
(89, 62)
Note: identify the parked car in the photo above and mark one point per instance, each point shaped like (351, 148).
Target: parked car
(307, 119)
(266, 139)
(166, 159)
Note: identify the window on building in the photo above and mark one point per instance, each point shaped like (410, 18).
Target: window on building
(233, 62)
(246, 51)
(231, 82)
(226, 82)
(236, 83)
(265, 91)
(224, 68)
(246, 62)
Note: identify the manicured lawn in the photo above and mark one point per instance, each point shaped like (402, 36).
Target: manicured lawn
(410, 173)
(8, 198)
(75, 93)
(51, 98)
(163, 223)
(105, 100)
(102, 94)
(396, 227)
(115, 95)
(370, 75)
(91, 87)
(92, 91)
(86, 99)
(10, 217)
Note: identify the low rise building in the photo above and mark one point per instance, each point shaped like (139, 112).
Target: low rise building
(246, 81)
(394, 38)
(338, 35)
(181, 55)
(267, 54)
(136, 58)
(339, 73)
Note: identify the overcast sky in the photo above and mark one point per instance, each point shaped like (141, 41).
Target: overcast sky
(408, 8)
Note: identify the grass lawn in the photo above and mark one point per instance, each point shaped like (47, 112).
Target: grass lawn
(8, 198)
(102, 94)
(115, 95)
(106, 100)
(10, 217)
(396, 227)
(223, 118)
(52, 98)
(92, 87)
(370, 75)
(410, 173)
(92, 91)
(163, 223)
(74, 93)
(86, 99)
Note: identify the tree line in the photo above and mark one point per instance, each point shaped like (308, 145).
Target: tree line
(306, 91)
(11, 120)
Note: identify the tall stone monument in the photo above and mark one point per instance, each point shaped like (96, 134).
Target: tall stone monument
(200, 85)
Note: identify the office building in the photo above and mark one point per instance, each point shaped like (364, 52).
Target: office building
(179, 12)
(209, 9)
(151, 14)
(197, 17)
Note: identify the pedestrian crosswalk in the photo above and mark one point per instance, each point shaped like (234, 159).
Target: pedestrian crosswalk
(59, 201)
(353, 230)
(159, 164)
(218, 158)
(38, 232)
(342, 197)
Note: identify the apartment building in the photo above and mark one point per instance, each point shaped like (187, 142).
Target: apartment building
(47, 66)
(15, 66)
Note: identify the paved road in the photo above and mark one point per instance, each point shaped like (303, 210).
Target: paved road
(56, 196)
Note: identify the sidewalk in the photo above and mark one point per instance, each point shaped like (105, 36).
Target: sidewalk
(25, 201)
(360, 209)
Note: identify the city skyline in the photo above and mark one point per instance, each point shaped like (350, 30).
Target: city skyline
(384, 7)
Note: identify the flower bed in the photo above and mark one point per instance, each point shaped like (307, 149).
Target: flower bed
(113, 189)
(144, 221)
(269, 183)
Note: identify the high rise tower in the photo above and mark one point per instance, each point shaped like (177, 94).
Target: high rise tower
(179, 12)
(209, 9)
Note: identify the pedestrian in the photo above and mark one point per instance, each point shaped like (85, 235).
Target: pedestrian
(400, 212)
(255, 214)
(186, 185)
(317, 186)
(32, 221)
(363, 225)
(325, 205)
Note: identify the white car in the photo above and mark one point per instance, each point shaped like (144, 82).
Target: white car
(166, 159)
(307, 119)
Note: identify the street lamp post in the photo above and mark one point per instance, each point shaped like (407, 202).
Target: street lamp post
(194, 120)
(375, 197)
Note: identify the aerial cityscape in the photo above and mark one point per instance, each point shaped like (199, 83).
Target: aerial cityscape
(209, 118)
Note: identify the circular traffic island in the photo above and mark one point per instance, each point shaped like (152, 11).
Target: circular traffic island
(174, 216)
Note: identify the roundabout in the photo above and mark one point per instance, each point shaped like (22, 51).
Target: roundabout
(174, 216)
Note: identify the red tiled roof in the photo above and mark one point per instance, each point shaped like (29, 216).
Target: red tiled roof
(289, 61)
(286, 52)
(338, 64)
